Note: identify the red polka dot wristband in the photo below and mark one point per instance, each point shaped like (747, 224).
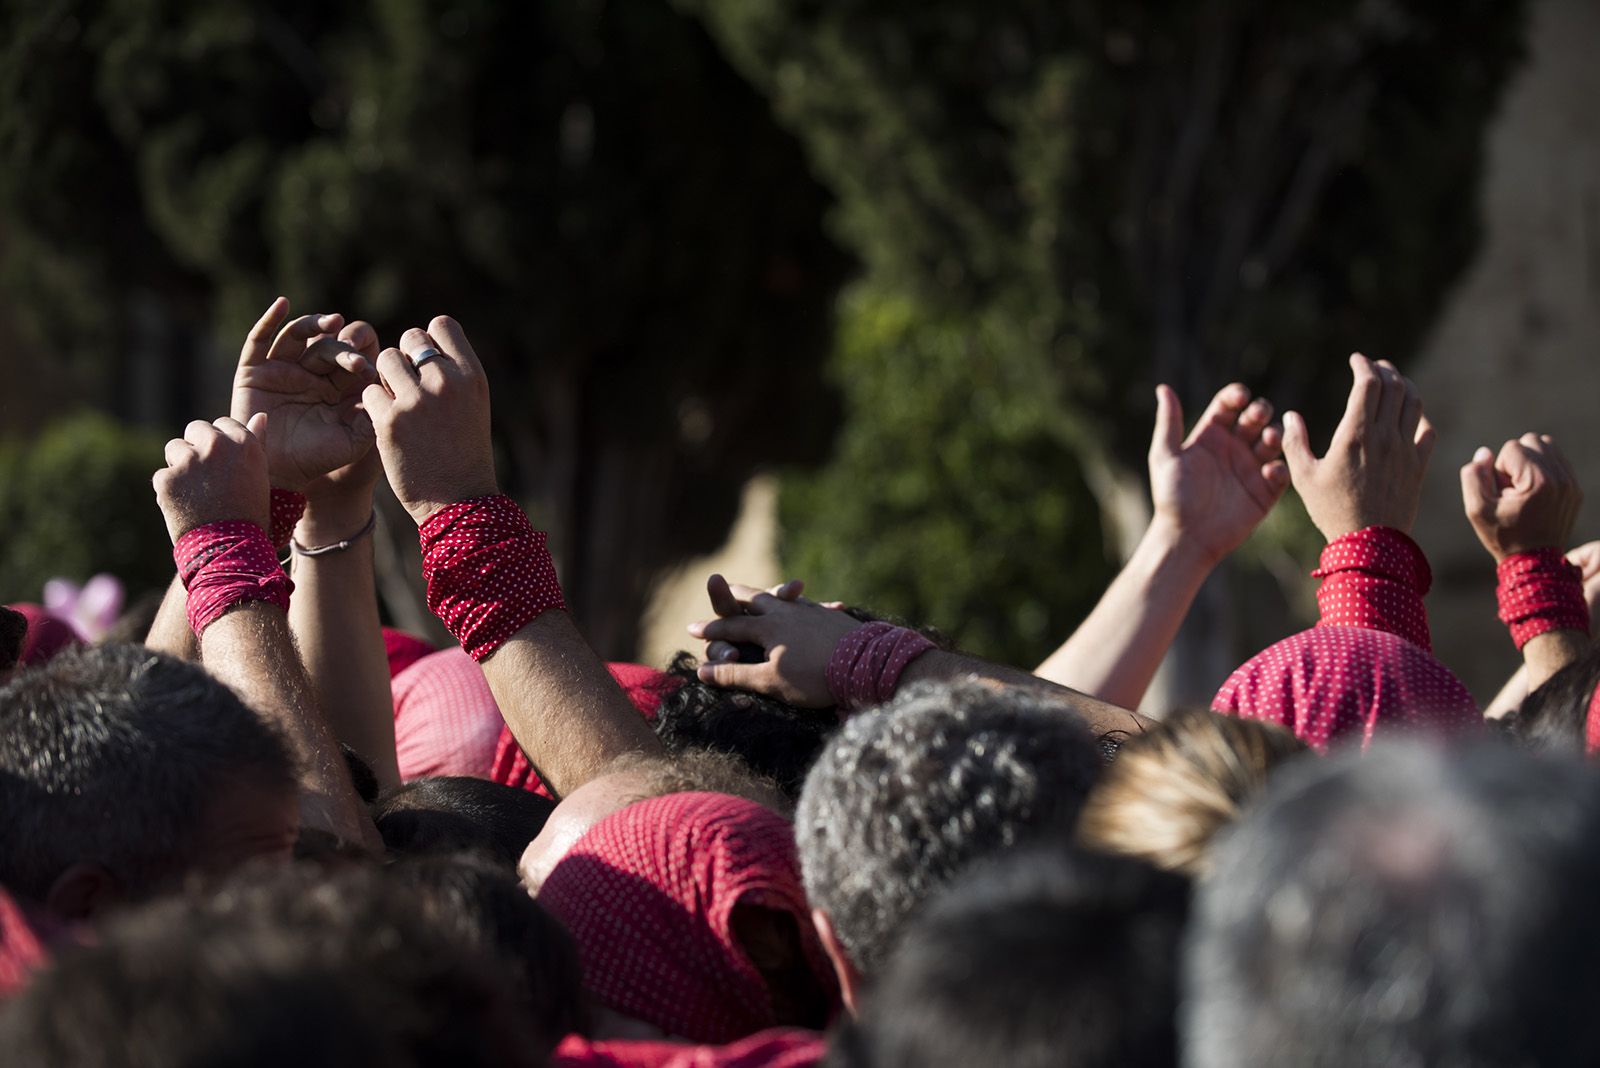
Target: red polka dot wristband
(1540, 591)
(866, 665)
(488, 572)
(226, 564)
(287, 508)
(1375, 578)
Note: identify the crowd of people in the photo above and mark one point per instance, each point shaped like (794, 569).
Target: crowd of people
(275, 832)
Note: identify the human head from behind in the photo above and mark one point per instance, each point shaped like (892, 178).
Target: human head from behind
(905, 797)
(1047, 958)
(456, 813)
(1413, 905)
(122, 771)
(288, 967)
(1556, 716)
(1174, 787)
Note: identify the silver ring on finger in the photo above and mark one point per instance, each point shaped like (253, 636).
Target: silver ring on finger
(424, 356)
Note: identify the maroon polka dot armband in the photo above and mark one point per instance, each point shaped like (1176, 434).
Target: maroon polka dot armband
(866, 665)
(287, 508)
(488, 571)
(1540, 591)
(223, 565)
(1375, 578)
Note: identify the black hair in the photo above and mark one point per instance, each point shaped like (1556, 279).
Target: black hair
(1048, 958)
(906, 796)
(459, 813)
(775, 739)
(290, 966)
(13, 635)
(1411, 905)
(1555, 717)
(482, 906)
(111, 755)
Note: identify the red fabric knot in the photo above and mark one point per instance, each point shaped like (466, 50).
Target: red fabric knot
(287, 508)
(1375, 578)
(866, 665)
(226, 564)
(648, 894)
(488, 572)
(1540, 591)
(646, 688)
(1337, 685)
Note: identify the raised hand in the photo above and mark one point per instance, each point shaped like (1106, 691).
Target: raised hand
(797, 635)
(309, 380)
(1525, 498)
(432, 420)
(215, 472)
(1215, 487)
(1372, 473)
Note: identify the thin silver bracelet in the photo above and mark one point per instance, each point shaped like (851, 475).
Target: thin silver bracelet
(335, 547)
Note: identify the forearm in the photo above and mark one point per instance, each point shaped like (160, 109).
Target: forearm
(1511, 695)
(1099, 716)
(334, 619)
(562, 705)
(250, 649)
(170, 633)
(1116, 651)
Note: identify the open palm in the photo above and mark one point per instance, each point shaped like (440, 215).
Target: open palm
(1217, 485)
(309, 382)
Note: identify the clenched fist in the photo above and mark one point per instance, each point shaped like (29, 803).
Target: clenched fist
(215, 472)
(431, 413)
(1525, 498)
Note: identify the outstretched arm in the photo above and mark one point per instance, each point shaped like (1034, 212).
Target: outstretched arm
(1523, 504)
(490, 578)
(1209, 492)
(214, 496)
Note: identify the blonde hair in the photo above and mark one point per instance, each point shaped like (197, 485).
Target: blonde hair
(1172, 788)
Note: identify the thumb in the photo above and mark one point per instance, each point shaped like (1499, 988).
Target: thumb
(1297, 447)
(257, 424)
(1478, 483)
(1167, 437)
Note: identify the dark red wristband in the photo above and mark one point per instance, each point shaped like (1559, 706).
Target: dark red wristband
(1540, 591)
(287, 508)
(488, 571)
(866, 665)
(225, 564)
(1375, 578)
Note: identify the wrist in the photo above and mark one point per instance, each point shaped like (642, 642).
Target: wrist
(1165, 547)
(333, 517)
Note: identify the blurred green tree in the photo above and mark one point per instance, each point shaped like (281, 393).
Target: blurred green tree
(1119, 194)
(633, 243)
(76, 500)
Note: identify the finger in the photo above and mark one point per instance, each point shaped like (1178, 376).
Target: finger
(448, 331)
(1393, 398)
(732, 675)
(259, 340)
(1270, 446)
(1167, 438)
(721, 651)
(1366, 390)
(1559, 458)
(232, 429)
(1424, 441)
(376, 401)
(200, 433)
(1410, 409)
(836, 606)
(257, 424)
(789, 591)
(723, 602)
(1276, 476)
(398, 375)
(361, 336)
(176, 451)
(1478, 488)
(358, 366)
(1297, 447)
(290, 344)
(730, 629)
(1253, 421)
(321, 356)
(1223, 411)
(416, 343)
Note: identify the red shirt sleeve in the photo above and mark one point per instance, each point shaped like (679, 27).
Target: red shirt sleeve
(1375, 578)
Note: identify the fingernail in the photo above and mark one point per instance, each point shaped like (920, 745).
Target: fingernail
(696, 629)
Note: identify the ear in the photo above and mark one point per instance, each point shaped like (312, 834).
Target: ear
(850, 983)
(83, 892)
